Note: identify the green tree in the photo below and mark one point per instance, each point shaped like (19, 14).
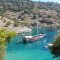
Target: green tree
(5, 37)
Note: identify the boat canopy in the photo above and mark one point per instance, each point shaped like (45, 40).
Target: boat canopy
(28, 37)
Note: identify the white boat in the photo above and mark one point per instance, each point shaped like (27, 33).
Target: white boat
(31, 38)
(50, 44)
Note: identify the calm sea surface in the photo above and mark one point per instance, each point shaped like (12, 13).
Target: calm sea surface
(31, 51)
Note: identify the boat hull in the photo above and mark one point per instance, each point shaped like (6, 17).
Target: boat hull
(32, 39)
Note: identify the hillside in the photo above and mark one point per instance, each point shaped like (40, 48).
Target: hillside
(25, 10)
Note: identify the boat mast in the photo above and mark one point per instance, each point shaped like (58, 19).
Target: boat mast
(30, 30)
(37, 28)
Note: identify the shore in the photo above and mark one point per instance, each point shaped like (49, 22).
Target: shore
(21, 29)
(9, 25)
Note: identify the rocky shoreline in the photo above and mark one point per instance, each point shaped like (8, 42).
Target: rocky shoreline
(45, 23)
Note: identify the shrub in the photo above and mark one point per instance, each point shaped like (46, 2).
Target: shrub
(34, 17)
(5, 37)
(55, 49)
(16, 24)
(8, 24)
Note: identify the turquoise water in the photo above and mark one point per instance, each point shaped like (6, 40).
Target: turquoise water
(30, 51)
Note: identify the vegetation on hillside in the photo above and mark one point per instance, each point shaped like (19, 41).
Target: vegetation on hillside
(30, 7)
(20, 5)
(16, 5)
(21, 12)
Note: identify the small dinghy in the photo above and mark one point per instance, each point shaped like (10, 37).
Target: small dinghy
(47, 45)
(50, 44)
